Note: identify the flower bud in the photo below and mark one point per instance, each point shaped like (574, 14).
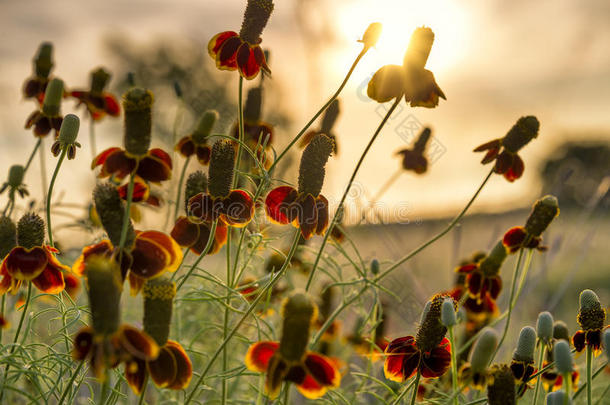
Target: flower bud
(491, 264)
(137, 104)
(419, 48)
(606, 343)
(222, 168)
(560, 331)
(30, 231)
(591, 315)
(254, 104)
(313, 160)
(99, 80)
(371, 35)
(557, 398)
(196, 183)
(564, 363)
(298, 312)
(255, 19)
(431, 331)
(52, 98)
(204, 127)
(501, 386)
(69, 130)
(525, 345)
(375, 266)
(159, 296)
(521, 133)
(15, 176)
(43, 61)
(544, 327)
(330, 117)
(8, 236)
(448, 317)
(104, 286)
(544, 211)
(483, 350)
(110, 210)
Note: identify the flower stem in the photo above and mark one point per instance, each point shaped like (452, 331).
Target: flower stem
(245, 315)
(349, 185)
(92, 138)
(415, 387)
(589, 379)
(567, 383)
(43, 172)
(240, 116)
(586, 384)
(105, 388)
(320, 111)
(539, 366)
(207, 248)
(126, 218)
(454, 384)
(29, 162)
(225, 325)
(50, 194)
(141, 401)
(69, 385)
(179, 193)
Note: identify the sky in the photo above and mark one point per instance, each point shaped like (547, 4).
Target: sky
(495, 60)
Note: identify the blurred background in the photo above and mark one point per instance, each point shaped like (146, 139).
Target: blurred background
(496, 61)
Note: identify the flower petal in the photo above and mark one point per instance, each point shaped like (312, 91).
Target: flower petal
(237, 208)
(168, 243)
(153, 253)
(402, 359)
(185, 232)
(438, 361)
(155, 166)
(185, 146)
(203, 208)
(579, 341)
(83, 343)
(226, 55)
(516, 169)
(387, 83)
(279, 204)
(135, 374)
(184, 366)
(259, 354)
(277, 370)
(137, 343)
(307, 218)
(322, 369)
(203, 154)
(51, 280)
(247, 61)
(103, 248)
(217, 41)
(322, 212)
(163, 369)
(25, 264)
(513, 239)
(503, 162)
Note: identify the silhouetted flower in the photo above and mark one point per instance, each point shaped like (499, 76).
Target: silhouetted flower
(530, 235)
(326, 126)
(483, 275)
(48, 117)
(98, 102)
(197, 143)
(14, 183)
(591, 318)
(414, 159)
(35, 86)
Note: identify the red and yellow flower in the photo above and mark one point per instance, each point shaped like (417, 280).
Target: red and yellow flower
(35, 86)
(197, 143)
(592, 319)
(482, 277)
(48, 117)
(530, 235)
(98, 102)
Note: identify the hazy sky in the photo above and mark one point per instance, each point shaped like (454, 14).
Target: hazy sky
(495, 60)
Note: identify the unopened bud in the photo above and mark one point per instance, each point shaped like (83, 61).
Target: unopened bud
(222, 168)
(69, 130)
(526, 345)
(483, 350)
(30, 231)
(564, 363)
(158, 295)
(448, 317)
(298, 312)
(137, 104)
(15, 176)
(544, 327)
(313, 160)
(371, 35)
(51, 106)
(105, 286)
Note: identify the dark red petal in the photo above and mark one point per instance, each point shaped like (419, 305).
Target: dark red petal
(183, 364)
(323, 216)
(579, 341)
(50, 281)
(32, 119)
(277, 370)
(503, 162)
(467, 268)
(103, 248)
(169, 245)
(137, 343)
(278, 204)
(185, 146)
(25, 264)
(226, 56)
(402, 359)
(83, 343)
(474, 283)
(438, 361)
(516, 169)
(149, 259)
(308, 387)
(491, 145)
(238, 208)
(322, 369)
(118, 164)
(163, 369)
(185, 232)
(162, 156)
(203, 208)
(217, 41)
(135, 374)
(246, 62)
(514, 238)
(518, 369)
(42, 126)
(101, 158)
(111, 105)
(203, 154)
(495, 287)
(154, 168)
(307, 216)
(140, 191)
(259, 354)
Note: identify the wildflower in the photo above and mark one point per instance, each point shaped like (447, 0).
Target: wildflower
(67, 137)
(231, 207)
(591, 318)
(522, 364)
(172, 368)
(410, 80)
(106, 343)
(48, 117)
(14, 183)
(429, 352)
(326, 127)
(197, 143)
(483, 276)
(288, 359)
(233, 51)
(305, 207)
(146, 254)
(529, 236)
(505, 150)
(414, 159)
(32, 260)
(501, 386)
(141, 193)
(483, 350)
(194, 234)
(152, 165)
(35, 86)
(98, 102)
(551, 379)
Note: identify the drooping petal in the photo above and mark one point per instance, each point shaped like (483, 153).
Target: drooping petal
(402, 359)
(387, 83)
(516, 169)
(135, 374)
(203, 208)
(246, 61)
(323, 370)
(154, 253)
(51, 280)
(309, 387)
(279, 205)
(168, 244)
(140, 191)
(513, 239)
(72, 284)
(579, 341)
(25, 264)
(474, 283)
(323, 216)
(136, 283)
(111, 105)
(491, 145)
(117, 164)
(307, 219)
(438, 361)
(163, 369)
(185, 146)
(183, 364)
(185, 232)
(83, 343)
(155, 166)
(100, 159)
(217, 41)
(237, 208)
(503, 162)
(277, 371)
(103, 248)
(137, 343)
(467, 268)
(495, 287)
(226, 56)
(259, 354)
(203, 154)
(421, 89)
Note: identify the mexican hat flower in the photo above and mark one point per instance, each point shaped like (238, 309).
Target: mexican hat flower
(96, 100)
(142, 193)
(413, 159)
(233, 51)
(232, 207)
(48, 117)
(152, 165)
(482, 276)
(14, 184)
(552, 380)
(505, 150)
(67, 137)
(530, 235)
(192, 233)
(304, 207)
(146, 255)
(289, 360)
(475, 371)
(172, 368)
(501, 388)
(411, 80)
(35, 86)
(429, 352)
(591, 318)
(197, 142)
(522, 364)
(31, 260)
(329, 120)
(107, 343)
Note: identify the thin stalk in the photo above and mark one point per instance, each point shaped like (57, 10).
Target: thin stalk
(92, 138)
(105, 388)
(454, 382)
(286, 393)
(320, 111)
(403, 393)
(43, 172)
(225, 327)
(179, 193)
(141, 401)
(385, 187)
(538, 367)
(415, 387)
(50, 194)
(567, 383)
(127, 217)
(240, 116)
(589, 371)
(207, 248)
(597, 372)
(29, 162)
(2, 307)
(70, 383)
(247, 313)
(349, 185)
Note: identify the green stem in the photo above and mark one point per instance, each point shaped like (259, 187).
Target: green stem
(143, 393)
(127, 216)
(320, 111)
(567, 383)
(349, 185)
(50, 194)
(245, 315)
(403, 393)
(589, 379)
(454, 382)
(2, 307)
(597, 372)
(207, 248)
(70, 383)
(105, 388)
(43, 172)
(92, 138)
(240, 117)
(286, 393)
(539, 367)
(179, 193)
(225, 327)
(415, 387)
(29, 162)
